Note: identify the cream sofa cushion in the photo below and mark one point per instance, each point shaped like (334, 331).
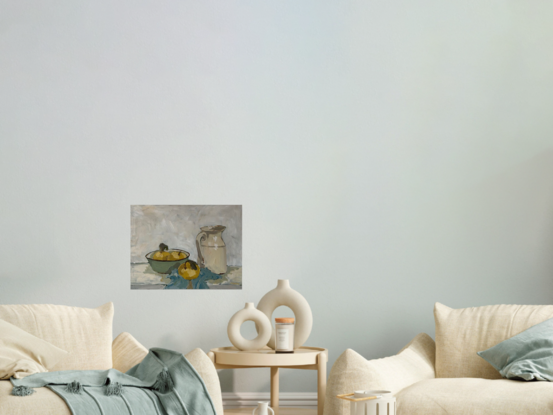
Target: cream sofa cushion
(22, 354)
(42, 402)
(475, 397)
(460, 333)
(351, 372)
(128, 352)
(86, 333)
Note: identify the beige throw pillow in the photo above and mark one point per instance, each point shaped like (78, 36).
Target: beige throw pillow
(460, 333)
(86, 333)
(22, 354)
(127, 352)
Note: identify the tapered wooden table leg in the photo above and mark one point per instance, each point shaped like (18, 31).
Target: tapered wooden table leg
(321, 382)
(274, 389)
(305, 358)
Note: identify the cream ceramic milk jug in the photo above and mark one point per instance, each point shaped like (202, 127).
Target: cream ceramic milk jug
(212, 251)
(263, 408)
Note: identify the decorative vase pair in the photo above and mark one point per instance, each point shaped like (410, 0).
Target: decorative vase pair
(282, 295)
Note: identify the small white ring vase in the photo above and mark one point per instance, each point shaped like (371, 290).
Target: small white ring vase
(284, 295)
(262, 323)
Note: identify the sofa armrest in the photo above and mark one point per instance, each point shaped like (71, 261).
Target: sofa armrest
(351, 371)
(206, 369)
(127, 352)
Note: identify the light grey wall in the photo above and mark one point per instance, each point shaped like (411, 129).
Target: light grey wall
(387, 155)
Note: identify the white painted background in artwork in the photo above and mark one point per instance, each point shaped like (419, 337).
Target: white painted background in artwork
(178, 225)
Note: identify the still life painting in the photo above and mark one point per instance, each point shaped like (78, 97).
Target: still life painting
(190, 247)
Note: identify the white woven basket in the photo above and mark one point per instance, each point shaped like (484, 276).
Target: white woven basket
(371, 402)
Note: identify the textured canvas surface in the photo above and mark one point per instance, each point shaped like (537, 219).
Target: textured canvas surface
(461, 333)
(186, 247)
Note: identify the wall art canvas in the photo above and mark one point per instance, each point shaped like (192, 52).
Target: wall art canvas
(186, 247)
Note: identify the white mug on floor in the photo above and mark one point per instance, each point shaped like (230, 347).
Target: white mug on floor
(263, 408)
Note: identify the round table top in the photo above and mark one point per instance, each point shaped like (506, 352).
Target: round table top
(302, 356)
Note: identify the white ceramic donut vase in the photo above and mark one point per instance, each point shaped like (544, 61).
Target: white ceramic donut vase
(262, 324)
(284, 295)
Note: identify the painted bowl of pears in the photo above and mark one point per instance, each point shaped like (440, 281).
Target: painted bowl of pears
(166, 260)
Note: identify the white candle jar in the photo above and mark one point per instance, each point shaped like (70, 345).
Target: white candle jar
(284, 335)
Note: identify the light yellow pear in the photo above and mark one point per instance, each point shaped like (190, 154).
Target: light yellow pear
(189, 270)
(176, 255)
(162, 254)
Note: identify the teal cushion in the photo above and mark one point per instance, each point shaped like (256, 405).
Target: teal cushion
(528, 355)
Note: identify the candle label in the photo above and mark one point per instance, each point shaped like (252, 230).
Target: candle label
(283, 339)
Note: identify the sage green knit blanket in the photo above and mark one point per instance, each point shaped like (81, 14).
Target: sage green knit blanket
(164, 383)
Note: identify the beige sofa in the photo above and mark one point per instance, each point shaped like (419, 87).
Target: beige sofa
(87, 335)
(446, 376)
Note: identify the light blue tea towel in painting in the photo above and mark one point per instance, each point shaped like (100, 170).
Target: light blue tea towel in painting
(200, 283)
(164, 383)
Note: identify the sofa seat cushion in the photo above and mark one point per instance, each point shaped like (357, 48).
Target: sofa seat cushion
(462, 396)
(42, 402)
(86, 333)
(352, 372)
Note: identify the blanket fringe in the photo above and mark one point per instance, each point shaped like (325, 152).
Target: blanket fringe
(163, 383)
(114, 389)
(22, 391)
(74, 387)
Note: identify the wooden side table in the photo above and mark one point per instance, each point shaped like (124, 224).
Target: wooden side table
(306, 358)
